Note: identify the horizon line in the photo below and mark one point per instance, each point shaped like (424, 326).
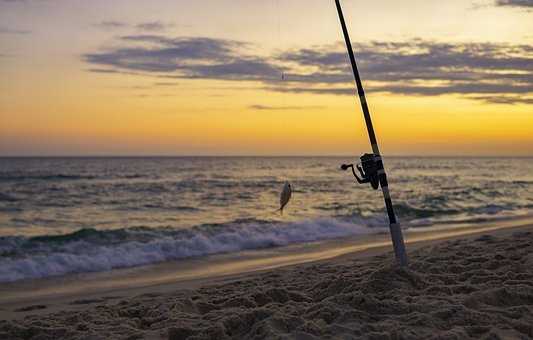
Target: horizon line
(260, 156)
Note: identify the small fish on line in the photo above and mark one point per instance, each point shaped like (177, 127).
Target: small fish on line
(285, 196)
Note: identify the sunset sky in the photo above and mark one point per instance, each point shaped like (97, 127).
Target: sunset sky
(204, 77)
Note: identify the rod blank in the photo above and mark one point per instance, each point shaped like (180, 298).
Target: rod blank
(394, 226)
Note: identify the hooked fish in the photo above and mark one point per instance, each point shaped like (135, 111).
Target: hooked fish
(285, 196)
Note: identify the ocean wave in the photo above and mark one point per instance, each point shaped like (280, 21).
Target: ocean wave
(408, 211)
(434, 210)
(7, 198)
(41, 177)
(91, 250)
(10, 209)
(161, 206)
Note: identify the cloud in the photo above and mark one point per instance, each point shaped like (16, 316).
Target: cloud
(165, 84)
(21, 1)
(507, 100)
(7, 30)
(455, 88)
(417, 67)
(111, 71)
(102, 70)
(193, 58)
(515, 3)
(111, 24)
(281, 108)
(413, 67)
(338, 91)
(153, 26)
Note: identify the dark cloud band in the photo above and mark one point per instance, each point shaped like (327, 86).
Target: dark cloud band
(415, 67)
(150, 26)
(8, 30)
(515, 3)
(259, 107)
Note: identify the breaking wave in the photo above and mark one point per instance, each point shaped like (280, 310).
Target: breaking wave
(90, 250)
(42, 177)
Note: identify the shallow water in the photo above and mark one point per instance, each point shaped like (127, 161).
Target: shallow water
(65, 215)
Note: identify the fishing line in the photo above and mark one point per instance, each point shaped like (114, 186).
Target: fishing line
(280, 46)
(279, 34)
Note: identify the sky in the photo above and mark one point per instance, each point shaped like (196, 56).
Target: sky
(269, 77)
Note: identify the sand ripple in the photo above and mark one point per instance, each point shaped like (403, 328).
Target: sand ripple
(478, 288)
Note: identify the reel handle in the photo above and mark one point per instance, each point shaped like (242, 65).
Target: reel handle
(346, 166)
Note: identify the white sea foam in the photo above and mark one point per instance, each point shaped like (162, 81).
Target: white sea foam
(164, 205)
(83, 256)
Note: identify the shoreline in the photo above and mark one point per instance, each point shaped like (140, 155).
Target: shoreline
(44, 296)
(475, 286)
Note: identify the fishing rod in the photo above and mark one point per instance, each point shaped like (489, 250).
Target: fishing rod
(372, 170)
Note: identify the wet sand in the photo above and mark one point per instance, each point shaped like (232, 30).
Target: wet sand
(460, 284)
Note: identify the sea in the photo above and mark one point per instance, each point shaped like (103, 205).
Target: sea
(61, 216)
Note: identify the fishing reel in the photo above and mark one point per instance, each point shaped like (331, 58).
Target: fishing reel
(369, 170)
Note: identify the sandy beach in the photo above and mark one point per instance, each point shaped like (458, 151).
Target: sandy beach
(277, 170)
(477, 286)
